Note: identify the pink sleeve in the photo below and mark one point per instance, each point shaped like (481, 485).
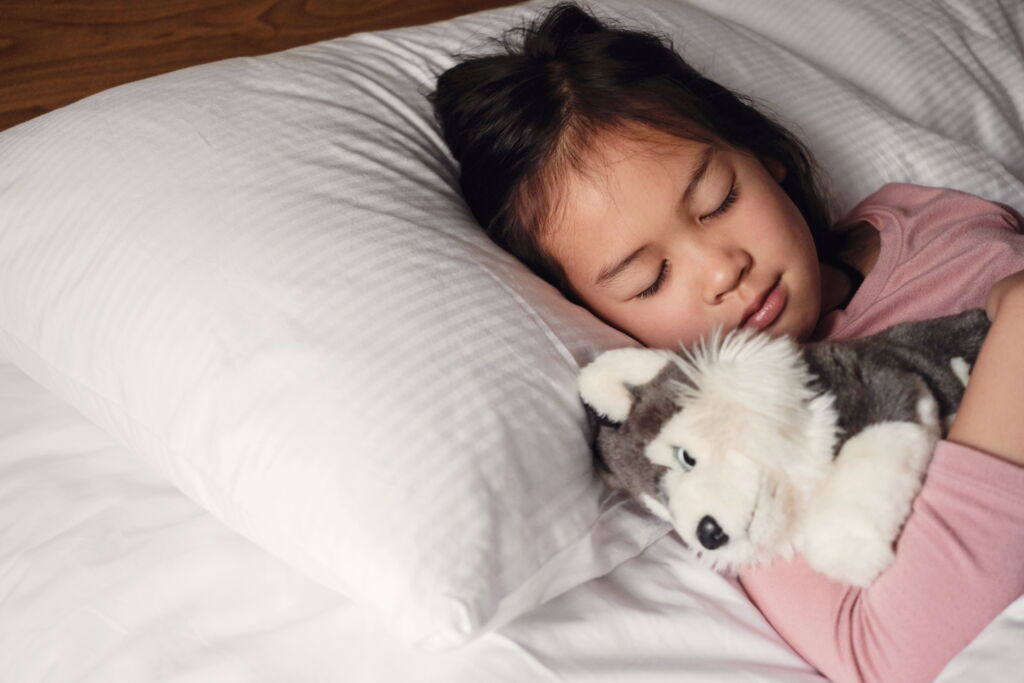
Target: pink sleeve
(959, 562)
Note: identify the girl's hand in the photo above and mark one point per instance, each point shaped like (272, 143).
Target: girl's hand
(1007, 293)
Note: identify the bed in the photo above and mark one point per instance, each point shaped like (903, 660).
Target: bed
(273, 409)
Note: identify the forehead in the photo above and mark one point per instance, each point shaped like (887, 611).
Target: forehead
(614, 190)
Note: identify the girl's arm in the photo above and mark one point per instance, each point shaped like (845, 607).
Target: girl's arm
(960, 557)
(990, 415)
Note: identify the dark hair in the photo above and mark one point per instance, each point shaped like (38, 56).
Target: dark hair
(518, 120)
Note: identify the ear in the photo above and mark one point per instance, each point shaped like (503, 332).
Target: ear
(604, 383)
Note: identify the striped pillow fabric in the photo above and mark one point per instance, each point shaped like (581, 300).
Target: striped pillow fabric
(259, 275)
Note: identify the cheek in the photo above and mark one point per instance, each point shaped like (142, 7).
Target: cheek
(666, 323)
(771, 220)
(791, 225)
(779, 233)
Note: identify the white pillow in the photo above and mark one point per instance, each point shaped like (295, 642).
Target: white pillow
(259, 275)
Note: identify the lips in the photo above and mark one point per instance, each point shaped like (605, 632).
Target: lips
(766, 308)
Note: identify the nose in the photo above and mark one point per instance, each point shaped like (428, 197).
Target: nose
(710, 534)
(726, 266)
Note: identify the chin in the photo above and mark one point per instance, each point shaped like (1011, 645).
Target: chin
(796, 324)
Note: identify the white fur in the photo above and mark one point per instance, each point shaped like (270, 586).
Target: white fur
(853, 518)
(604, 383)
(960, 368)
(656, 507)
(762, 438)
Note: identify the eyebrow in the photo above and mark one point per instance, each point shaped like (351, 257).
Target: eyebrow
(613, 271)
(697, 174)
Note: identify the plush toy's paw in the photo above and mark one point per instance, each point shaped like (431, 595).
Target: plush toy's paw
(856, 515)
(849, 551)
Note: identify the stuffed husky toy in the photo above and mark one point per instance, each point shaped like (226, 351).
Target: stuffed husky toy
(755, 447)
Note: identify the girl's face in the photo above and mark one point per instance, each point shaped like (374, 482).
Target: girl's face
(666, 239)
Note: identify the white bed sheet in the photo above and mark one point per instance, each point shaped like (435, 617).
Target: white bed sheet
(108, 575)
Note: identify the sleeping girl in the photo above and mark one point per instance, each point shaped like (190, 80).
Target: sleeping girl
(669, 205)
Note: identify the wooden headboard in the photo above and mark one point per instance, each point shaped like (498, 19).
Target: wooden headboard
(55, 52)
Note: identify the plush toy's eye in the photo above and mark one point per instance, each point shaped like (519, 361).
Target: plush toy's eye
(683, 458)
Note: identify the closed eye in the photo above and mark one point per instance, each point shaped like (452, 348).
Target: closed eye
(729, 200)
(656, 285)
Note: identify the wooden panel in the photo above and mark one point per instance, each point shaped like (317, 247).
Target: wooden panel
(54, 52)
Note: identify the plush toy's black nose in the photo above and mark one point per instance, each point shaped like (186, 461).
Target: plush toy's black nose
(710, 534)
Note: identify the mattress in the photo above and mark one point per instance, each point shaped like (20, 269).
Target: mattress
(109, 572)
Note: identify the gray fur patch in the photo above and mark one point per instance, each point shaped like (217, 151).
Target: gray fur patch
(881, 377)
(620, 448)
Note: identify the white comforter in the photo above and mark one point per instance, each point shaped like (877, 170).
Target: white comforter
(109, 574)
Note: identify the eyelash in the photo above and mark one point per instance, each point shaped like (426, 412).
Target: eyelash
(656, 285)
(729, 200)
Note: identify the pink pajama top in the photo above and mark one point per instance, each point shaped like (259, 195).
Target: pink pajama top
(960, 557)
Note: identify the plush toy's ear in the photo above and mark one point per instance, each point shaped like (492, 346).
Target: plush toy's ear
(604, 383)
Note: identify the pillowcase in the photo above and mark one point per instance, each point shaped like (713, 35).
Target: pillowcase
(258, 274)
